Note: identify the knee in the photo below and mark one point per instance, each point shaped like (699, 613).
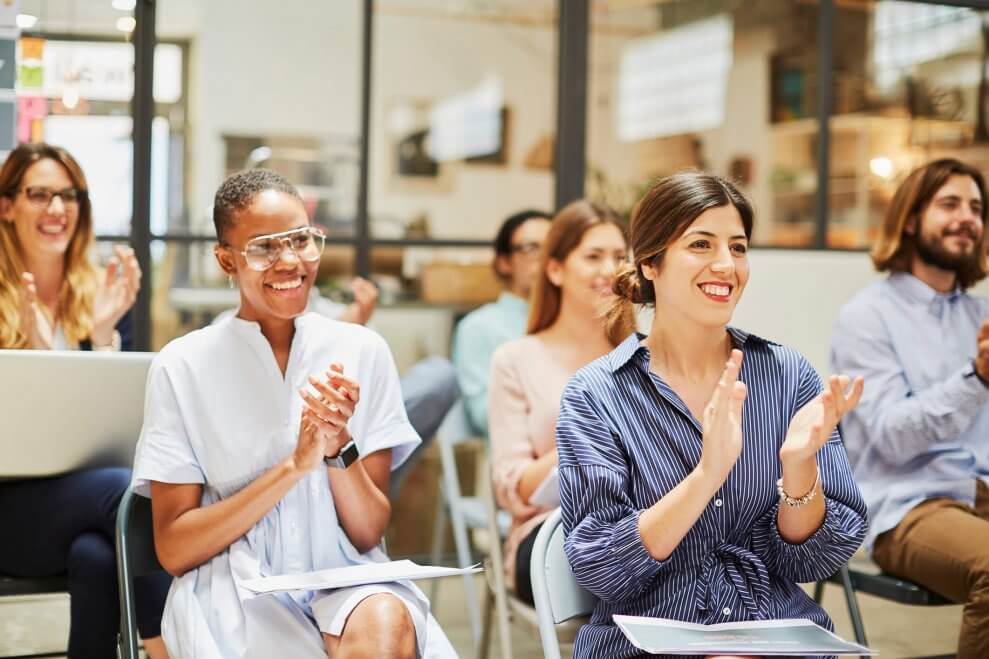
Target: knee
(383, 628)
(106, 486)
(446, 375)
(92, 560)
(442, 377)
(111, 481)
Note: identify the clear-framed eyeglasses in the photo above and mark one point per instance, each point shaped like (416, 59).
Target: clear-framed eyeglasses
(307, 243)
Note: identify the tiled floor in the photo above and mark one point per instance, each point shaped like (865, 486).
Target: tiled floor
(40, 625)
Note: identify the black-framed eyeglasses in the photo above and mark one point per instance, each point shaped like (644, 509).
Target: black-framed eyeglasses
(307, 243)
(526, 248)
(41, 196)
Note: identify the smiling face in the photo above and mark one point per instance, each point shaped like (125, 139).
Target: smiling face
(951, 225)
(44, 230)
(586, 274)
(703, 272)
(280, 292)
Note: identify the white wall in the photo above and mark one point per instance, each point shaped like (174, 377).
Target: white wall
(793, 297)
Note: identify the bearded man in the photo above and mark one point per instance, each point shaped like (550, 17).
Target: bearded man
(919, 439)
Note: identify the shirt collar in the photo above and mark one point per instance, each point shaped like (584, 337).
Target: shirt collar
(253, 328)
(513, 302)
(632, 347)
(916, 291)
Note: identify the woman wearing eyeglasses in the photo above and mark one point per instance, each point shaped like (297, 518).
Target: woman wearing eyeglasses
(52, 296)
(267, 445)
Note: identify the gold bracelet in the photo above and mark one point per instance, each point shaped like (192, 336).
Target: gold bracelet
(796, 502)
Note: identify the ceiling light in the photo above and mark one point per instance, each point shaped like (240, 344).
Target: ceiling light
(26, 21)
(124, 5)
(126, 23)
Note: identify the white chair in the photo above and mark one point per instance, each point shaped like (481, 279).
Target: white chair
(508, 607)
(557, 594)
(505, 603)
(465, 512)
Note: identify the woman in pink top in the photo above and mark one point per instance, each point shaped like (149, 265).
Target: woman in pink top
(585, 247)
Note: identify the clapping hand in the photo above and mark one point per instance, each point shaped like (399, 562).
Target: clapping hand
(812, 425)
(722, 423)
(365, 300)
(33, 324)
(323, 430)
(116, 295)
(982, 354)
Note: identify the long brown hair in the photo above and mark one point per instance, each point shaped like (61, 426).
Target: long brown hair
(565, 233)
(658, 220)
(895, 247)
(74, 308)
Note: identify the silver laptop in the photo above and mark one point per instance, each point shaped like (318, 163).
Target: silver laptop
(61, 411)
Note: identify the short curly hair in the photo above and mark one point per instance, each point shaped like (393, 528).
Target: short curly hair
(238, 191)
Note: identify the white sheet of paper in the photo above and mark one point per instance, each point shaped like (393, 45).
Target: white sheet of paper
(547, 494)
(795, 637)
(354, 575)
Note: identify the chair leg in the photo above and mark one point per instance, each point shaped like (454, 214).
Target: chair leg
(485, 645)
(853, 606)
(439, 530)
(819, 591)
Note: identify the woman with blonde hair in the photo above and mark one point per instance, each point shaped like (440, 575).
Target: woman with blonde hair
(583, 250)
(53, 297)
(51, 294)
(693, 485)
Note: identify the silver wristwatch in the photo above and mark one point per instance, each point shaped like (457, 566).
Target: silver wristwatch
(347, 456)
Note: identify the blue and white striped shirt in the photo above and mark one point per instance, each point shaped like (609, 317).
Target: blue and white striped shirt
(625, 439)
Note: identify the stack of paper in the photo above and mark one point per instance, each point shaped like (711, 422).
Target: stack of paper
(764, 637)
(354, 575)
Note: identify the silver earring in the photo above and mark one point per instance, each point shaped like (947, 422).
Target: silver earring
(230, 281)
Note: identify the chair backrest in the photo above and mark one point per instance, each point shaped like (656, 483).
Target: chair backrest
(558, 596)
(136, 534)
(135, 557)
(456, 427)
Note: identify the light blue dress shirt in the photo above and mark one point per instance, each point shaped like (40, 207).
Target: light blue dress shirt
(626, 439)
(477, 336)
(921, 429)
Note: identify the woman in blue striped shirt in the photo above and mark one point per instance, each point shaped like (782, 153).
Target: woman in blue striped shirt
(696, 485)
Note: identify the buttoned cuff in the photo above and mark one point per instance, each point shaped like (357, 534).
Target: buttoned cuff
(821, 554)
(629, 550)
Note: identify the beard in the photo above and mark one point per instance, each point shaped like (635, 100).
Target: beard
(931, 250)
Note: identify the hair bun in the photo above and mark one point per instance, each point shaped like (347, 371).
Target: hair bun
(626, 284)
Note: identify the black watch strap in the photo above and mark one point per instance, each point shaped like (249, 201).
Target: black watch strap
(347, 456)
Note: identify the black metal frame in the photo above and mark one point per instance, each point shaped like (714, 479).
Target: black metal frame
(143, 104)
(573, 37)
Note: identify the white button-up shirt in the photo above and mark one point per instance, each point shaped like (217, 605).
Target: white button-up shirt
(219, 412)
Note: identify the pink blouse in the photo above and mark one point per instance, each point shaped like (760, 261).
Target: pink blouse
(524, 394)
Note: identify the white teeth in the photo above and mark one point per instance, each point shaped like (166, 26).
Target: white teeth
(286, 285)
(52, 228)
(714, 289)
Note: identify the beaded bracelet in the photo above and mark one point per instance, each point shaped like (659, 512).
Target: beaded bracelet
(796, 502)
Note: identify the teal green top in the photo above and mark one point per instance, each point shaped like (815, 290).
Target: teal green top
(475, 340)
